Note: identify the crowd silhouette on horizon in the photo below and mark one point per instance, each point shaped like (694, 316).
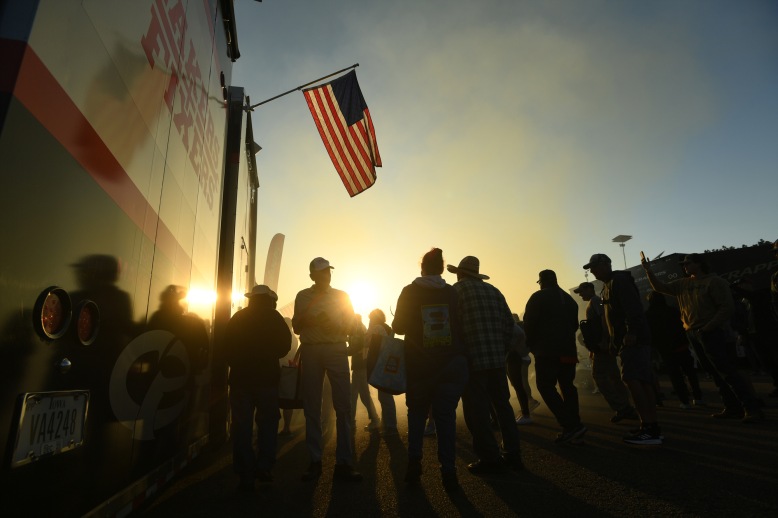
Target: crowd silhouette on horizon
(463, 343)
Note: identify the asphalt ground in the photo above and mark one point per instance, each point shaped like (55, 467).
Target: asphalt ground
(706, 467)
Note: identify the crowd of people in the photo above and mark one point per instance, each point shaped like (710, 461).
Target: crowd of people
(463, 343)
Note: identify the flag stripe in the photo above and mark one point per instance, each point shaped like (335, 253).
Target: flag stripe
(346, 145)
(352, 149)
(331, 136)
(373, 144)
(355, 132)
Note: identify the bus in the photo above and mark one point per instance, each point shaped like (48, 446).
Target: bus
(128, 240)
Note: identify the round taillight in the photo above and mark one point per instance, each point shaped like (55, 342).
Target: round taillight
(87, 322)
(53, 311)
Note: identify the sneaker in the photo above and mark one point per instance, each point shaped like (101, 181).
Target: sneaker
(483, 467)
(413, 473)
(430, 428)
(729, 414)
(573, 435)
(636, 431)
(450, 482)
(523, 419)
(313, 472)
(644, 437)
(753, 416)
(699, 402)
(533, 404)
(596, 390)
(624, 413)
(685, 406)
(347, 472)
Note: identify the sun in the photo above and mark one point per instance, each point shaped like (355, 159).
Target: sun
(363, 297)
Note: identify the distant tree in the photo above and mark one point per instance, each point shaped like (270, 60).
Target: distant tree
(761, 242)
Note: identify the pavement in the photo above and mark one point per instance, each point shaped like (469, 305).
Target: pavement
(705, 468)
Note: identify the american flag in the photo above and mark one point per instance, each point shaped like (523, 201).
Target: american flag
(345, 126)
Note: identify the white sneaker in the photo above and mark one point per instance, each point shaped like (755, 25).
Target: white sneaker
(533, 404)
(523, 419)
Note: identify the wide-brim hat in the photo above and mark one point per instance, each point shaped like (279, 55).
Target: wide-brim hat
(691, 258)
(468, 266)
(261, 289)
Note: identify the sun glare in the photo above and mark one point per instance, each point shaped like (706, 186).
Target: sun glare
(363, 298)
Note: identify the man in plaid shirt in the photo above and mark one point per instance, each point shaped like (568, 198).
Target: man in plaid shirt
(488, 331)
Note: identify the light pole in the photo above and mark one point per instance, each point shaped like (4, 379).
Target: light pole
(621, 239)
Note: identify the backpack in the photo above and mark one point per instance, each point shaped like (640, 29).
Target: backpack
(592, 334)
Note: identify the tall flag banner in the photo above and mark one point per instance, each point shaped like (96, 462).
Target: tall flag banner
(343, 119)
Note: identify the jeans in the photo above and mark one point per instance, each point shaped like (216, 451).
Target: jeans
(248, 406)
(517, 370)
(606, 374)
(318, 359)
(711, 349)
(550, 371)
(488, 389)
(680, 363)
(442, 394)
(361, 390)
(388, 411)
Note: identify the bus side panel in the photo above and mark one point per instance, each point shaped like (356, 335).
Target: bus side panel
(112, 151)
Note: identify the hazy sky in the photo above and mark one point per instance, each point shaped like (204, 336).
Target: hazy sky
(526, 133)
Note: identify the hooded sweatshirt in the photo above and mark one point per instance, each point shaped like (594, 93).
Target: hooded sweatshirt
(428, 315)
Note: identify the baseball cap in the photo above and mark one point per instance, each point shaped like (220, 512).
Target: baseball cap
(318, 264)
(582, 286)
(547, 276)
(597, 259)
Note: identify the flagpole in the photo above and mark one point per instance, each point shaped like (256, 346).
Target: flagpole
(251, 108)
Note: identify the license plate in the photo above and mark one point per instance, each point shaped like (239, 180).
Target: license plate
(50, 423)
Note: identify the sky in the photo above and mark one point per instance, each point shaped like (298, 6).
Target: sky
(526, 133)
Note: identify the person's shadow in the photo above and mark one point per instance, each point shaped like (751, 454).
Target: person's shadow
(172, 367)
(93, 362)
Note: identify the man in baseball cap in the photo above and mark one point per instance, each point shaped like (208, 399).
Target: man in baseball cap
(605, 369)
(630, 338)
(550, 322)
(323, 317)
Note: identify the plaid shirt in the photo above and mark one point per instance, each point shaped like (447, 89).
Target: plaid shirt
(486, 321)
